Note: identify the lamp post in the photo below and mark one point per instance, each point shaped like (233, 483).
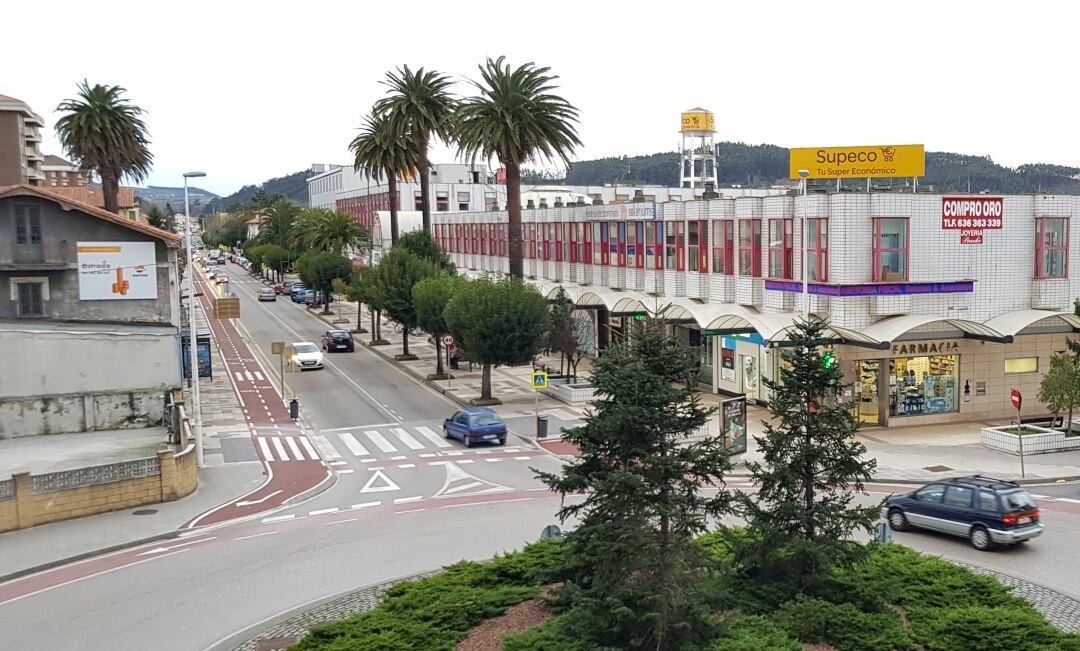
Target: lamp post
(193, 343)
(805, 262)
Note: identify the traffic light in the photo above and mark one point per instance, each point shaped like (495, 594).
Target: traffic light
(828, 359)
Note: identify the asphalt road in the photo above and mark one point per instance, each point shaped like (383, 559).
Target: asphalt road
(405, 500)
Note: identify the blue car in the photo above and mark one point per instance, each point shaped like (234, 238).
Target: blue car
(296, 293)
(475, 425)
(986, 511)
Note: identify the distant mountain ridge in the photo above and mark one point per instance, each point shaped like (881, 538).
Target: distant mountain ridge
(293, 186)
(174, 197)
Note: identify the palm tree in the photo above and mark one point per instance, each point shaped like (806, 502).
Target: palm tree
(337, 232)
(380, 149)
(517, 118)
(277, 229)
(103, 132)
(420, 104)
(304, 231)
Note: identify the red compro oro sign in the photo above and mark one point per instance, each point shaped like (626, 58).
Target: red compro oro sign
(974, 212)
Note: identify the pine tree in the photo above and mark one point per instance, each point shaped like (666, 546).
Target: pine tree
(803, 518)
(636, 572)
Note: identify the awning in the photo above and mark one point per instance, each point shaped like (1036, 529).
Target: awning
(1013, 323)
(889, 329)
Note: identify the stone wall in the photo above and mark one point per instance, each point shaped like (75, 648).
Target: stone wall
(87, 412)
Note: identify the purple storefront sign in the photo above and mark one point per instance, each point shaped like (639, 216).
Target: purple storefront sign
(874, 289)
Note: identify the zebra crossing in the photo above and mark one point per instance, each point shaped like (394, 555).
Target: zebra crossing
(391, 443)
(249, 376)
(287, 448)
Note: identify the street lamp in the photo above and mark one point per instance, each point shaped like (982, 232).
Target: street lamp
(193, 342)
(803, 174)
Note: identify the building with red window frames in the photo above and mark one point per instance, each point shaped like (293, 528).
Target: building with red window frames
(938, 305)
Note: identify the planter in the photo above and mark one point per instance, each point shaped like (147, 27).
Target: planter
(1037, 440)
(572, 394)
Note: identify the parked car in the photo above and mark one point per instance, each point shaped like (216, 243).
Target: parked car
(307, 297)
(212, 275)
(474, 425)
(222, 279)
(297, 293)
(267, 294)
(288, 285)
(986, 511)
(279, 288)
(337, 340)
(306, 356)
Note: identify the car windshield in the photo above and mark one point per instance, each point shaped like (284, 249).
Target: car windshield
(1018, 500)
(339, 335)
(486, 419)
(306, 348)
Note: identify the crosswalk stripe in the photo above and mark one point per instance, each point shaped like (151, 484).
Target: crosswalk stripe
(265, 449)
(1067, 499)
(249, 377)
(295, 448)
(282, 456)
(407, 439)
(380, 440)
(259, 376)
(430, 435)
(307, 446)
(239, 376)
(354, 446)
(325, 447)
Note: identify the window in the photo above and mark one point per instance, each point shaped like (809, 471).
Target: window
(987, 501)
(418, 201)
(31, 298)
(924, 385)
(780, 245)
(489, 200)
(603, 239)
(817, 249)
(463, 201)
(890, 250)
(635, 236)
(597, 243)
(27, 225)
(676, 243)
(1052, 248)
(695, 234)
(718, 247)
(750, 247)
(616, 235)
(442, 202)
(932, 493)
(1022, 365)
(958, 496)
(651, 257)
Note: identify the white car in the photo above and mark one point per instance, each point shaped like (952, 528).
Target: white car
(306, 355)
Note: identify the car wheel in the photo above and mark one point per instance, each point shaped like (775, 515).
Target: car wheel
(980, 538)
(445, 432)
(502, 441)
(897, 520)
(468, 441)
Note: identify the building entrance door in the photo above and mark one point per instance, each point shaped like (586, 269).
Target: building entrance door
(750, 377)
(868, 378)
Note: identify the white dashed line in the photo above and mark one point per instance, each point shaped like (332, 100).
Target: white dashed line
(522, 458)
(346, 471)
(398, 458)
(324, 511)
(256, 535)
(406, 500)
(493, 460)
(342, 521)
(278, 518)
(407, 465)
(464, 461)
(411, 511)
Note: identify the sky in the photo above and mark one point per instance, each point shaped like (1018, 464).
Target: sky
(247, 91)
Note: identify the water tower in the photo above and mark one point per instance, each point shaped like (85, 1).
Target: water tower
(698, 164)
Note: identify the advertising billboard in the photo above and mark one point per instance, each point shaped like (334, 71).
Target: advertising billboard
(858, 162)
(116, 270)
(733, 424)
(969, 213)
(698, 122)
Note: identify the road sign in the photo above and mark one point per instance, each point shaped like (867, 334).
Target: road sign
(448, 340)
(1017, 399)
(539, 380)
(277, 347)
(227, 308)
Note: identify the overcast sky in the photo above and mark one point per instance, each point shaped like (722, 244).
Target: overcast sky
(251, 90)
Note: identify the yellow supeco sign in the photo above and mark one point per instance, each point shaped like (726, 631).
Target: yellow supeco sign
(858, 162)
(698, 121)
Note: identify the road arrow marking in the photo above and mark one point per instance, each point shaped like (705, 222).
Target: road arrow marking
(258, 501)
(158, 550)
(387, 484)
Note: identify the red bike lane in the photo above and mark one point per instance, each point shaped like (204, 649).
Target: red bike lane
(292, 464)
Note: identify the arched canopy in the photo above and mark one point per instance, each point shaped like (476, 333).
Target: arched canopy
(889, 329)
(1014, 323)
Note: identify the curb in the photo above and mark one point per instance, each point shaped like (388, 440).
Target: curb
(90, 554)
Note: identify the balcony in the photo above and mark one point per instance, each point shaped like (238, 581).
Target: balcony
(32, 135)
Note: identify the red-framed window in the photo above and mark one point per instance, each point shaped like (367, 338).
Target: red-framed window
(586, 246)
(562, 242)
(492, 236)
(750, 247)
(504, 231)
(546, 230)
(675, 246)
(654, 258)
(1052, 247)
(617, 242)
(476, 238)
(460, 238)
(575, 242)
(719, 261)
(530, 241)
(697, 246)
(780, 248)
(890, 249)
(817, 249)
(635, 251)
(603, 239)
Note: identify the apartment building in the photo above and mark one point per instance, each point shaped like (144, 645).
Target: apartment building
(20, 141)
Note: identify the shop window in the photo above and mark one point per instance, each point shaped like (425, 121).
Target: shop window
(890, 250)
(692, 243)
(750, 247)
(585, 243)
(597, 243)
(1022, 365)
(575, 239)
(463, 201)
(1052, 248)
(817, 249)
(780, 245)
(923, 385)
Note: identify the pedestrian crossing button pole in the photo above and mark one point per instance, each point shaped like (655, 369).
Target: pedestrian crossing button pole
(539, 382)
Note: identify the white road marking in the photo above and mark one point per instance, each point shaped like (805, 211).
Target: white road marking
(280, 449)
(430, 435)
(522, 458)
(158, 550)
(307, 446)
(407, 438)
(259, 376)
(406, 500)
(346, 471)
(265, 447)
(463, 487)
(380, 441)
(278, 518)
(295, 448)
(354, 446)
(407, 465)
(338, 463)
(484, 451)
(326, 449)
(249, 377)
(428, 455)
(258, 501)
(410, 511)
(1067, 499)
(342, 521)
(324, 511)
(257, 535)
(239, 376)
(368, 460)
(400, 458)
(517, 499)
(387, 484)
(493, 460)
(456, 475)
(1041, 497)
(463, 461)
(364, 505)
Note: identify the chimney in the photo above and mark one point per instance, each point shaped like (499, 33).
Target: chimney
(639, 196)
(543, 203)
(558, 202)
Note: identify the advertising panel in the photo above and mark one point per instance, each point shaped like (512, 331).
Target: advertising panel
(733, 424)
(873, 289)
(202, 352)
(887, 161)
(968, 213)
(698, 121)
(619, 211)
(116, 270)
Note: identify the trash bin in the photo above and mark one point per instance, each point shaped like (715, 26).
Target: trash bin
(294, 409)
(541, 427)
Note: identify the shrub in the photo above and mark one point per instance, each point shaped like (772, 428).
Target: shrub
(843, 626)
(976, 628)
(551, 636)
(755, 634)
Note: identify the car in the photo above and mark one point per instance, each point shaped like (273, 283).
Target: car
(337, 340)
(306, 356)
(267, 294)
(222, 279)
(986, 511)
(296, 293)
(474, 425)
(287, 285)
(279, 288)
(307, 297)
(212, 275)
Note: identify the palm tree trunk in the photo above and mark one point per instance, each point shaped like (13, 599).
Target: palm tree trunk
(372, 313)
(485, 383)
(425, 184)
(391, 183)
(513, 210)
(110, 188)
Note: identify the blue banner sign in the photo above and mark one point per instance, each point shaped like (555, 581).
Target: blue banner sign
(873, 289)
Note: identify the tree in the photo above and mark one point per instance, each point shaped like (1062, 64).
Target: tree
(281, 214)
(420, 105)
(319, 269)
(230, 231)
(370, 291)
(564, 338)
(1060, 388)
(276, 257)
(382, 150)
(803, 515)
(422, 245)
(399, 271)
(338, 233)
(636, 571)
(305, 230)
(516, 118)
(500, 321)
(158, 219)
(431, 296)
(103, 132)
(1074, 344)
(353, 290)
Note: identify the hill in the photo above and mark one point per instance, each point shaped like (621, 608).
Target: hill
(293, 186)
(174, 197)
(764, 165)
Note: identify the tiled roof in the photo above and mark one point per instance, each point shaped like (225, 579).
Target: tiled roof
(95, 197)
(67, 203)
(52, 159)
(5, 98)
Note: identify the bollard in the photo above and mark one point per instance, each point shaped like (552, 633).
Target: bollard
(294, 409)
(541, 427)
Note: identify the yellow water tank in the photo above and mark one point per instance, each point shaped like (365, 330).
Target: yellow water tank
(698, 120)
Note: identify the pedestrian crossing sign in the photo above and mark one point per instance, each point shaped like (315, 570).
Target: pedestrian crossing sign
(539, 380)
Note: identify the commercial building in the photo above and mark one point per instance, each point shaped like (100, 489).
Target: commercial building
(20, 140)
(89, 316)
(938, 305)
